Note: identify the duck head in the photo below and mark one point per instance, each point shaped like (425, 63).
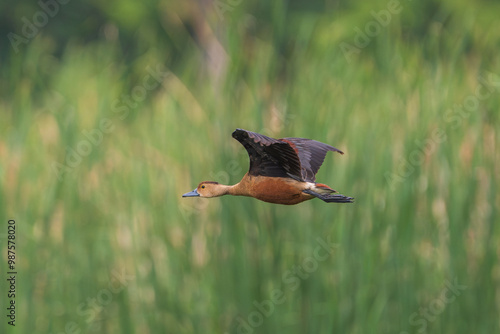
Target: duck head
(208, 189)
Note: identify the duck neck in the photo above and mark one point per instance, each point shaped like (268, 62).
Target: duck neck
(222, 190)
(238, 189)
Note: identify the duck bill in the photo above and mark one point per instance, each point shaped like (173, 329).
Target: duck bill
(193, 193)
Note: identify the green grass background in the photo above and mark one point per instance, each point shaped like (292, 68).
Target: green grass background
(198, 265)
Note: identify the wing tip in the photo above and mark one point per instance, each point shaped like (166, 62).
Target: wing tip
(334, 149)
(239, 133)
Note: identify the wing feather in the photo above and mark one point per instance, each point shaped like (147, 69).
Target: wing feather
(311, 153)
(269, 156)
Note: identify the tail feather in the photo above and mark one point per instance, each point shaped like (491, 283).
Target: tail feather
(323, 189)
(331, 197)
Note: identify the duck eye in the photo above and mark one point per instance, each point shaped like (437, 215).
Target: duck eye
(203, 187)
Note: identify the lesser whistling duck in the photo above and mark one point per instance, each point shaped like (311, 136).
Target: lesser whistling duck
(282, 171)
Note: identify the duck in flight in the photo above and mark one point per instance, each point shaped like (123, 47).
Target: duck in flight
(282, 171)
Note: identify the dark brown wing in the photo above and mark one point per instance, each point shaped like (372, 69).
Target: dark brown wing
(311, 154)
(269, 156)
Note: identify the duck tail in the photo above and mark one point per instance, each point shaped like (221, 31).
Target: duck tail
(321, 188)
(327, 194)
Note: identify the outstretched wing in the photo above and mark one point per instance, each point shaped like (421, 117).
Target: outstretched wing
(269, 156)
(311, 154)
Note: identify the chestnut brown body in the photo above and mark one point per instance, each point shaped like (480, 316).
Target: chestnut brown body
(278, 190)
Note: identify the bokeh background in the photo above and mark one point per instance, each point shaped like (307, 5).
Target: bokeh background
(111, 110)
